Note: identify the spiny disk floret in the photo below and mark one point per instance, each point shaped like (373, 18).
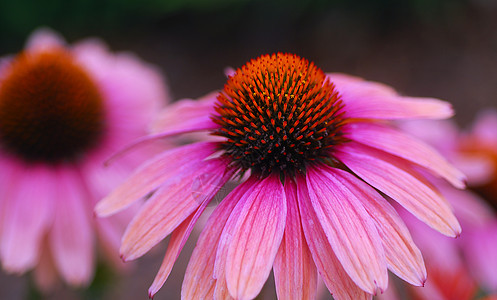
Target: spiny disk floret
(50, 109)
(279, 113)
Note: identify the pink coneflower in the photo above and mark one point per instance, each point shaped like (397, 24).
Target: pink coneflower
(313, 152)
(63, 111)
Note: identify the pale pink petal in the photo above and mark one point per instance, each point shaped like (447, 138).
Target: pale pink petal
(395, 177)
(43, 39)
(349, 228)
(390, 294)
(229, 71)
(330, 268)
(471, 210)
(28, 214)
(484, 127)
(71, 237)
(437, 249)
(176, 243)
(443, 135)
(221, 290)
(186, 113)
(397, 108)
(45, 272)
(405, 146)
(480, 248)
(402, 255)
(199, 282)
(239, 194)
(429, 292)
(478, 167)
(294, 271)
(253, 234)
(171, 204)
(347, 82)
(152, 174)
(371, 100)
(132, 87)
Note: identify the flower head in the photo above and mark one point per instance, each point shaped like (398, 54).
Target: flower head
(314, 149)
(63, 111)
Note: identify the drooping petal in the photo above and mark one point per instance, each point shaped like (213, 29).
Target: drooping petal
(252, 235)
(371, 100)
(199, 282)
(407, 147)
(176, 243)
(71, 238)
(45, 272)
(27, 216)
(294, 270)
(238, 195)
(337, 280)
(172, 204)
(186, 113)
(403, 256)
(394, 177)
(149, 176)
(350, 230)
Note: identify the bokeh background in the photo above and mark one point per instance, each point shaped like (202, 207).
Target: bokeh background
(435, 48)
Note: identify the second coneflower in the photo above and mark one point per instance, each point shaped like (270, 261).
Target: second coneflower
(319, 156)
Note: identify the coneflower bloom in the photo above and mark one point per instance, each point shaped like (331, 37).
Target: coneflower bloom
(63, 111)
(314, 154)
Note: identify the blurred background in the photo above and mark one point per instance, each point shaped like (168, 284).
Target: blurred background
(434, 48)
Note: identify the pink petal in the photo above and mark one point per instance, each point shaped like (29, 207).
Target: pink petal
(397, 108)
(28, 213)
(480, 247)
(45, 273)
(371, 100)
(348, 82)
(477, 167)
(253, 234)
(337, 280)
(199, 282)
(43, 39)
(484, 127)
(71, 238)
(241, 193)
(403, 256)
(402, 145)
(471, 210)
(395, 177)
(186, 113)
(172, 204)
(294, 270)
(176, 243)
(349, 228)
(152, 174)
(134, 89)
(437, 249)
